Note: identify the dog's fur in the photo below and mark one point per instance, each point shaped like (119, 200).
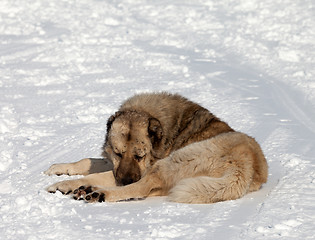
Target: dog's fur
(164, 144)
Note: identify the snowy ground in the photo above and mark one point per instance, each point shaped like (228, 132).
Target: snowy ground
(65, 66)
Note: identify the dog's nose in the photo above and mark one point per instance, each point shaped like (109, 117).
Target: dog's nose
(126, 181)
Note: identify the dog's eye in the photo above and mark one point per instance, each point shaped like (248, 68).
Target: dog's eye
(138, 158)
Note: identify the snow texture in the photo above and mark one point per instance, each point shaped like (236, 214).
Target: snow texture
(65, 67)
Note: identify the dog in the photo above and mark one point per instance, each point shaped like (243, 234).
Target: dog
(162, 144)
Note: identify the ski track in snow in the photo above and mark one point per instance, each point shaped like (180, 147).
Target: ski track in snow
(65, 67)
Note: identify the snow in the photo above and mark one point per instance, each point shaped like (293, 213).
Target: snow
(65, 67)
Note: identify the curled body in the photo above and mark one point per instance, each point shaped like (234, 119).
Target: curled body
(164, 144)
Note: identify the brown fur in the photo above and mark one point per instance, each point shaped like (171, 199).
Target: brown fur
(164, 144)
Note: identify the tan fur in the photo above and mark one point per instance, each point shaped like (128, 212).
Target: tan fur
(163, 144)
(83, 167)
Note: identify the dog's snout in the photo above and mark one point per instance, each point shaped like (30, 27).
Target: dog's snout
(128, 172)
(126, 178)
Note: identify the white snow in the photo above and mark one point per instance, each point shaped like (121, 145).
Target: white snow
(65, 67)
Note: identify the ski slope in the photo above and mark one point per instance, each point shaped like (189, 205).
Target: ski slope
(65, 67)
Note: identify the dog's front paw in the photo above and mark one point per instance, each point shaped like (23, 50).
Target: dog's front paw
(95, 197)
(89, 194)
(57, 169)
(81, 192)
(65, 187)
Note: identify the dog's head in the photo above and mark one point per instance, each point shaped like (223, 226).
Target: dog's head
(130, 142)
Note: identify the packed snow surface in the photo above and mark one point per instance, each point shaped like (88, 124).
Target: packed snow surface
(65, 67)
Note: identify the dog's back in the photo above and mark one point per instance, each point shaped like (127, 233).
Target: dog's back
(183, 121)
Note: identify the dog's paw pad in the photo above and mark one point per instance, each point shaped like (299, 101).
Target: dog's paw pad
(88, 190)
(101, 198)
(80, 193)
(95, 197)
(89, 194)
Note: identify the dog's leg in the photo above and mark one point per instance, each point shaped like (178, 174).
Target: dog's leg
(83, 167)
(148, 185)
(102, 180)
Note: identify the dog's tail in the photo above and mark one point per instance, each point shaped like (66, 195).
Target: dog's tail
(205, 189)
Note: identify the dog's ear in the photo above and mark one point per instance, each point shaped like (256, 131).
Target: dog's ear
(155, 131)
(111, 120)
